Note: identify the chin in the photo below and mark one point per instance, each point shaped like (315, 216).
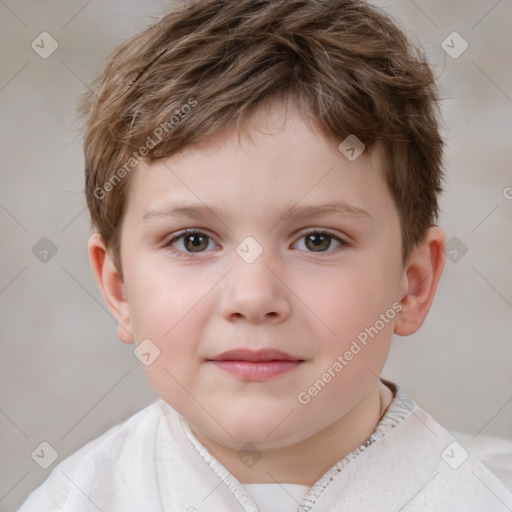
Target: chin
(265, 433)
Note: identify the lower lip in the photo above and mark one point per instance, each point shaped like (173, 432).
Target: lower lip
(252, 370)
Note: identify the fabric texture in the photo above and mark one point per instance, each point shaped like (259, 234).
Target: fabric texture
(272, 497)
(154, 462)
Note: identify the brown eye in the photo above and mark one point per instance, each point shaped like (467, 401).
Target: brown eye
(190, 242)
(195, 242)
(318, 241)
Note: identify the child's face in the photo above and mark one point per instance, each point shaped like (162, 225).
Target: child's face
(305, 299)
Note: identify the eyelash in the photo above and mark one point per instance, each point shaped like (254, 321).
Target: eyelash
(185, 232)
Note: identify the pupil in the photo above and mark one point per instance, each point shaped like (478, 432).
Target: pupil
(196, 241)
(319, 241)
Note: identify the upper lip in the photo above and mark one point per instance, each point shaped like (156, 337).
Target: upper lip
(265, 354)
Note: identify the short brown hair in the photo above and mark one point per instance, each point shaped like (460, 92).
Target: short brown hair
(344, 62)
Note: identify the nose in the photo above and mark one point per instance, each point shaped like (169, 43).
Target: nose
(256, 291)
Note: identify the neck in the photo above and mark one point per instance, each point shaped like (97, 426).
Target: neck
(324, 449)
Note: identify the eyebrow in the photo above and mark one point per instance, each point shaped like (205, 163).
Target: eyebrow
(199, 211)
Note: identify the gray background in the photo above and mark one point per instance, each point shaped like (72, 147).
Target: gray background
(66, 378)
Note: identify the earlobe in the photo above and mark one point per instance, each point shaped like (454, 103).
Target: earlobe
(111, 286)
(421, 277)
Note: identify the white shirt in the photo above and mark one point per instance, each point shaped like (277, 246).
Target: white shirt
(277, 497)
(154, 463)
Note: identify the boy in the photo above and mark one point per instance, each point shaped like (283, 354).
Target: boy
(262, 178)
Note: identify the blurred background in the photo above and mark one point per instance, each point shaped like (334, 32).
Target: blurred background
(66, 378)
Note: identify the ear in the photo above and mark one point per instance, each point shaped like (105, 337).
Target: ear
(110, 283)
(419, 282)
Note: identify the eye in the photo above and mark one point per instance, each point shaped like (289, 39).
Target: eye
(320, 241)
(191, 241)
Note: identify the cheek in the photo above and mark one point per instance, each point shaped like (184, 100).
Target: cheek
(348, 308)
(347, 300)
(163, 299)
(175, 327)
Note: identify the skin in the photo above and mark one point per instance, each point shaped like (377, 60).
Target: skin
(295, 297)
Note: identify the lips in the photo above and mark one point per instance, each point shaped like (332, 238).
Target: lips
(255, 356)
(256, 366)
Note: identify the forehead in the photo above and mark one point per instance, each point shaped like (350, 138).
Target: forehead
(278, 159)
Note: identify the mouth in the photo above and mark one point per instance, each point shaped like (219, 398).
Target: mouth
(263, 355)
(256, 365)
